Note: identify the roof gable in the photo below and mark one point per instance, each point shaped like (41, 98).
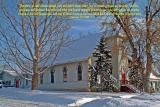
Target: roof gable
(79, 49)
(12, 73)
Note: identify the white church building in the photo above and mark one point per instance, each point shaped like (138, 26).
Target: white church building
(70, 70)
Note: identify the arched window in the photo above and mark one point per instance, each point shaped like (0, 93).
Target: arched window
(41, 78)
(65, 74)
(27, 80)
(79, 72)
(52, 75)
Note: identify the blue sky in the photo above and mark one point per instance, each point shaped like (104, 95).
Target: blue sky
(81, 26)
(93, 24)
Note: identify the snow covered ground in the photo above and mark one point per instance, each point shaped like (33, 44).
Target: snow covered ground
(13, 97)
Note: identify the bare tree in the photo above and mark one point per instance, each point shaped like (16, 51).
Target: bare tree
(30, 44)
(151, 11)
(144, 31)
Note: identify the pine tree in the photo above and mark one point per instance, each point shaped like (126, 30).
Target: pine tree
(103, 65)
(135, 77)
(92, 77)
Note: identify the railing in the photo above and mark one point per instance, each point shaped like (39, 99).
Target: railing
(126, 83)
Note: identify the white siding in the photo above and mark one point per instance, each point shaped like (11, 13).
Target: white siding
(72, 80)
(23, 83)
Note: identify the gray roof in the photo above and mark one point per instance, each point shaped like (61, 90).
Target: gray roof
(78, 50)
(10, 72)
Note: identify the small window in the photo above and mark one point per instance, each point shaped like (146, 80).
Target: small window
(52, 75)
(41, 78)
(79, 72)
(27, 80)
(64, 74)
(1, 76)
(8, 83)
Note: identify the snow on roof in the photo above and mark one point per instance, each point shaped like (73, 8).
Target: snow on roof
(156, 69)
(78, 50)
(12, 73)
(152, 76)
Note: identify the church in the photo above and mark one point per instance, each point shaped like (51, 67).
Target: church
(70, 70)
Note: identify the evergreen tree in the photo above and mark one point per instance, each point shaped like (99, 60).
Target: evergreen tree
(103, 66)
(135, 77)
(92, 77)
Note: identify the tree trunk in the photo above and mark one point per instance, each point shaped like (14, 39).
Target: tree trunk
(146, 83)
(35, 77)
(148, 50)
(148, 70)
(36, 56)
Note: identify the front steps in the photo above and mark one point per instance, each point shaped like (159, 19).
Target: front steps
(128, 88)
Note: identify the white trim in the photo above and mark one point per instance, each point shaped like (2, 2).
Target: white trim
(72, 61)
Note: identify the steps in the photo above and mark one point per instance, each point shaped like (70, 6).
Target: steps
(129, 88)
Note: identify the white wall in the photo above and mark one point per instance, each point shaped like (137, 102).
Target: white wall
(72, 80)
(23, 83)
(118, 57)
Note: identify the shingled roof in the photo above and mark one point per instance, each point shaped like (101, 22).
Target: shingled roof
(78, 50)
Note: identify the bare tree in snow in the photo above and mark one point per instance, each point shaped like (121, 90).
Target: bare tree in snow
(30, 44)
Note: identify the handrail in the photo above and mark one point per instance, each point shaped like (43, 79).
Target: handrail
(126, 83)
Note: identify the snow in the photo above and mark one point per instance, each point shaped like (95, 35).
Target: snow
(152, 76)
(13, 97)
(82, 101)
(78, 50)
(13, 73)
(127, 96)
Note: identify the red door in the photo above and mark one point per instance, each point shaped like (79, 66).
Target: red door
(123, 76)
(17, 83)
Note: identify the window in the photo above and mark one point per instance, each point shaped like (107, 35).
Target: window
(7, 83)
(41, 78)
(27, 80)
(1, 76)
(64, 74)
(79, 72)
(52, 75)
